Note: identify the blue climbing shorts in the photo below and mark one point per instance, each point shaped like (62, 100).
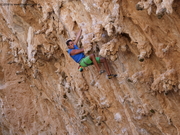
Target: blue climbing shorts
(87, 61)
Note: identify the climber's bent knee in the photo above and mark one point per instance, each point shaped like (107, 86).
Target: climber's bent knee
(102, 60)
(91, 56)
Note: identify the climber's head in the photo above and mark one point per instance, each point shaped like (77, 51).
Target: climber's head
(70, 44)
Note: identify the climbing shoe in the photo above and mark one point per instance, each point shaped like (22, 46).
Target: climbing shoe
(101, 71)
(111, 76)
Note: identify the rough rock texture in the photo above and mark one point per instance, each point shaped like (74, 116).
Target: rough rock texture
(42, 92)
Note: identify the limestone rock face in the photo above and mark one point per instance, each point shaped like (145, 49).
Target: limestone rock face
(43, 93)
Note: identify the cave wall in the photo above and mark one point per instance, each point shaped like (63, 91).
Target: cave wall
(42, 92)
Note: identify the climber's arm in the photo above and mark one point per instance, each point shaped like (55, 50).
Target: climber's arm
(77, 37)
(76, 51)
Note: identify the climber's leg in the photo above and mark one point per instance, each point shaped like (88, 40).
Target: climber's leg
(93, 58)
(104, 61)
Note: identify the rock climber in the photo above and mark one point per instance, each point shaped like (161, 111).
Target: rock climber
(78, 55)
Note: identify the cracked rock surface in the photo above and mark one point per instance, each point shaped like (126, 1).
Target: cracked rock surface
(42, 91)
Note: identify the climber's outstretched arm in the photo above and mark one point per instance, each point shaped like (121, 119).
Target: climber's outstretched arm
(77, 37)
